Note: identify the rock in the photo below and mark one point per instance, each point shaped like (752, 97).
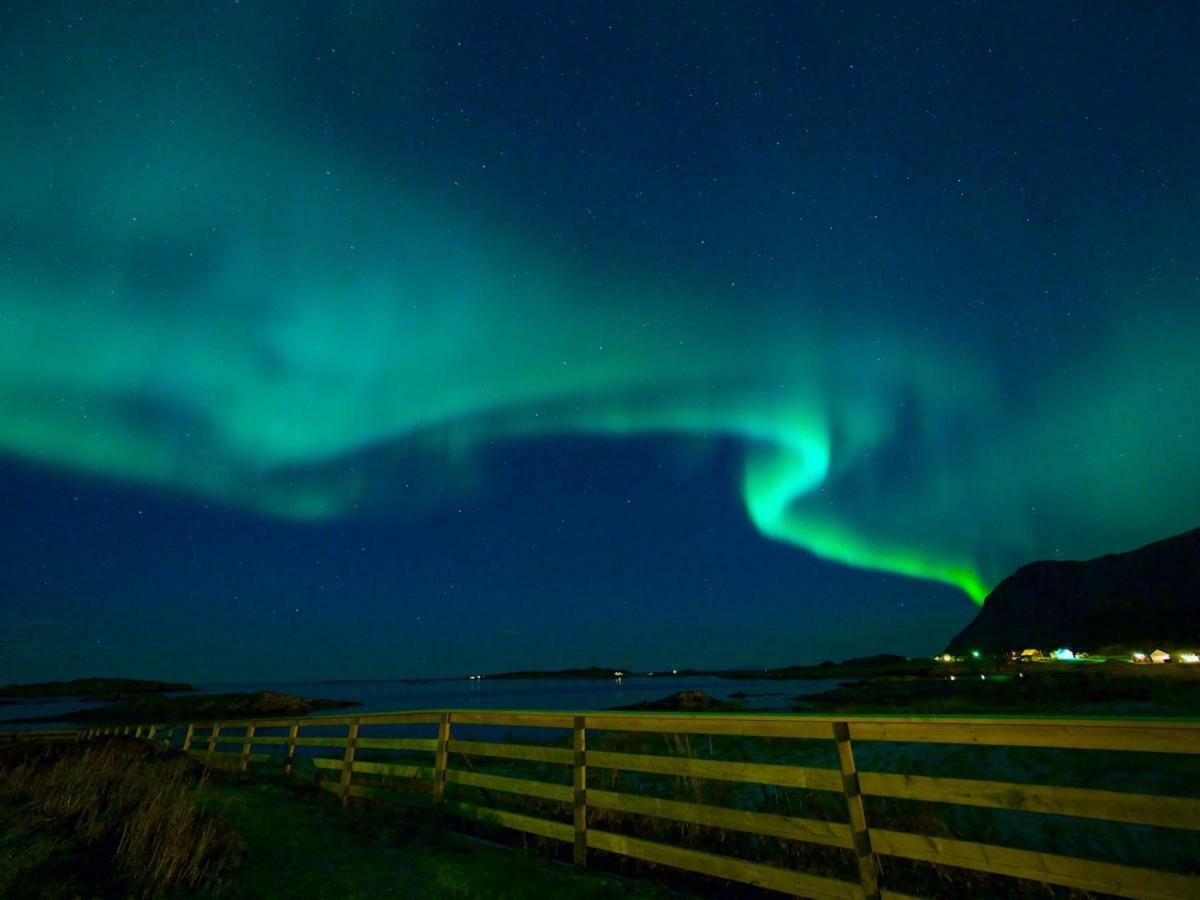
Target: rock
(683, 701)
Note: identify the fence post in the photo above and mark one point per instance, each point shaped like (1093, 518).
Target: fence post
(439, 765)
(152, 732)
(868, 865)
(213, 733)
(579, 782)
(246, 746)
(348, 759)
(293, 730)
(188, 735)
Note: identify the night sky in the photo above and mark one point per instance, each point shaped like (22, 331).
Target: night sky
(419, 339)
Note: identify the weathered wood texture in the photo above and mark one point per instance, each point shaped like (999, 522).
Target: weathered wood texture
(444, 760)
(579, 790)
(868, 865)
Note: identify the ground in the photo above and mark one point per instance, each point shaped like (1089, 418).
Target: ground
(300, 846)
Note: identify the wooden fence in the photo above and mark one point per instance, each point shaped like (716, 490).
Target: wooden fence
(444, 759)
(42, 735)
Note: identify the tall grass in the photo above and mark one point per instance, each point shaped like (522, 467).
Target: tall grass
(122, 810)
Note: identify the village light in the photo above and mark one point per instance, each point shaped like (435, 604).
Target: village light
(975, 653)
(1139, 656)
(1189, 658)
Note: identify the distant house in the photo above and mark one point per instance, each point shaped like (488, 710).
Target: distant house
(1063, 653)
(1031, 654)
(1159, 656)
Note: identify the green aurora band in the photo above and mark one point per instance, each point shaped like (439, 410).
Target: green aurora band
(215, 304)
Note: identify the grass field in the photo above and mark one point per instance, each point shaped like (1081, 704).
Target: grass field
(118, 819)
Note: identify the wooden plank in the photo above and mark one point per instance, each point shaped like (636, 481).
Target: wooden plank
(579, 791)
(513, 751)
(394, 770)
(321, 741)
(213, 736)
(1068, 871)
(710, 723)
(233, 756)
(1068, 735)
(393, 795)
(348, 759)
(426, 744)
(440, 760)
(868, 865)
(529, 788)
(327, 721)
(723, 770)
(247, 747)
(290, 758)
(728, 867)
(1112, 806)
(273, 741)
(187, 737)
(519, 719)
(414, 717)
(516, 821)
(325, 762)
(814, 831)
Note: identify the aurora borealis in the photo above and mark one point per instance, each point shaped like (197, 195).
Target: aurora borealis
(918, 291)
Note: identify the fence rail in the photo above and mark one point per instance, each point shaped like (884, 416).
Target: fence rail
(41, 735)
(444, 758)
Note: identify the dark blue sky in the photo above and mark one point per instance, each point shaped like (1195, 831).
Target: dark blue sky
(430, 338)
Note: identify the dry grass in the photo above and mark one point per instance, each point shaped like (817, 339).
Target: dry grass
(121, 809)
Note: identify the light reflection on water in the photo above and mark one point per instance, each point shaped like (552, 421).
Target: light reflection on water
(535, 694)
(539, 693)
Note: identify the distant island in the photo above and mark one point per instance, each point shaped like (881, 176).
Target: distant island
(858, 667)
(1147, 598)
(91, 689)
(683, 701)
(153, 707)
(879, 665)
(608, 672)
